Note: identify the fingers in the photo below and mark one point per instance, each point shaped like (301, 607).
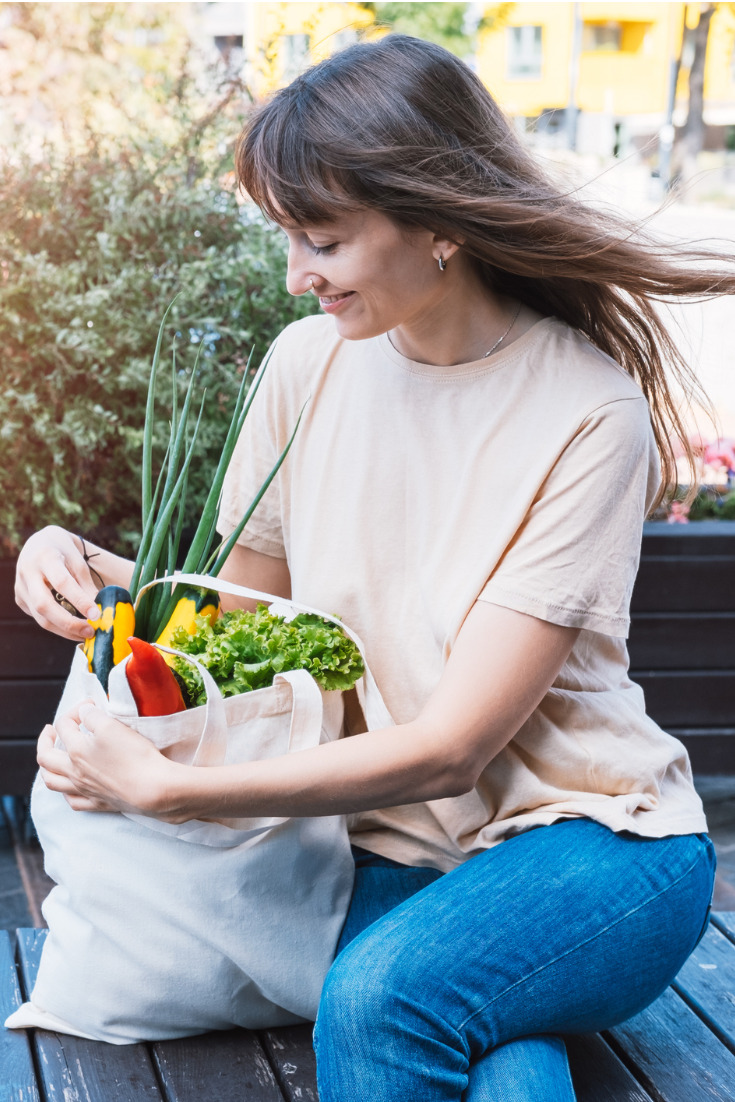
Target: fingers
(51, 560)
(88, 716)
(53, 573)
(54, 763)
(58, 773)
(84, 803)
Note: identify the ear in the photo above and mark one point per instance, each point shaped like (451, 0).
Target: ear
(443, 246)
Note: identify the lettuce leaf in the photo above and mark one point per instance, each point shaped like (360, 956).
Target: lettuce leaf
(244, 651)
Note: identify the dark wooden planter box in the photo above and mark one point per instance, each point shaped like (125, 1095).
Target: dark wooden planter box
(33, 668)
(682, 640)
(682, 650)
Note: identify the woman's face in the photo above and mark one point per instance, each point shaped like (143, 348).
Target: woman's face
(370, 274)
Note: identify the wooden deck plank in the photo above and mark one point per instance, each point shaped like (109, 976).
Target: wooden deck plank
(72, 1069)
(26, 704)
(17, 765)
(710, 584)
(702, 537)
(681, 640)
(26, 650)
(711, 749)
(706, 982)
(683, 698)
(227, 1067)
(674, 1055)
(18, 1083)
(292, 1055)
(597, 1073)
(725, 923)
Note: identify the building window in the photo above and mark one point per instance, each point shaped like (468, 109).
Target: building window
(602, 36)
(524, 53)
(295, 54)
(230, 47)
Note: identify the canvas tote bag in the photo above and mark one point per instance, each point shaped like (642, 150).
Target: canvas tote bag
(159, 930)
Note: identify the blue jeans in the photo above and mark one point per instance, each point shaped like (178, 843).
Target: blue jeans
(457, 986)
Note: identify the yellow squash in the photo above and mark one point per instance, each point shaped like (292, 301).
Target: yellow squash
(109, 644)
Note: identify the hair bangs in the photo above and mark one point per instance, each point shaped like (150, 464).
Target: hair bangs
(287, 171)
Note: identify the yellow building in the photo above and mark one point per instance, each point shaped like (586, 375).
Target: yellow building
(272, 42)
(615, 63)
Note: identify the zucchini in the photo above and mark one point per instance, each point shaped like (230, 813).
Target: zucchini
(109, 644)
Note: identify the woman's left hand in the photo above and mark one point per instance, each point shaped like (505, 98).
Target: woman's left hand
(104, 766)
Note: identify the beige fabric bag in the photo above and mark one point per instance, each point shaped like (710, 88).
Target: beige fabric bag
(159, 930)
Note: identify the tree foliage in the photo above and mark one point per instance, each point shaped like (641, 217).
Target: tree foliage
(95, 243)
(70, 69)
(450, 25)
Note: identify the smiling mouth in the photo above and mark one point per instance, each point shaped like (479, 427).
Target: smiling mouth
(328, 300)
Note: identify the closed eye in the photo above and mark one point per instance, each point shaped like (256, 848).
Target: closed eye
(322, 250)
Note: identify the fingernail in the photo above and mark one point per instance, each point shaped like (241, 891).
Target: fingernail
(87, 631)
(93, 612)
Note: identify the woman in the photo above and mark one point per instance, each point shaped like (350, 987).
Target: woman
(467, 491)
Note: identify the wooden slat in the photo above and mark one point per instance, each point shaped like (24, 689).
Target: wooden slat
(683, 640)
(711, 750)
(30, 859)
(228, 1067)
(26, 705)
(17, 765)
(689, 698)
(292, 1055)
(27, 651)
(674, 1055)
(17, 1076)
(597, 1073)
(707, 983)
(8, 607)
(705, 537)
(74, 1070)
(725, 923)
(685, 584)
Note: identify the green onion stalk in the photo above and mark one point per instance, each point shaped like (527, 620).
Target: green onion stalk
(164, 505)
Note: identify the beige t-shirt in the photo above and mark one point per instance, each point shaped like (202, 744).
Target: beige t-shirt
(410, 492)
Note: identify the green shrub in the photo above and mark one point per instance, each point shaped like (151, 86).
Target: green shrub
(94, 246)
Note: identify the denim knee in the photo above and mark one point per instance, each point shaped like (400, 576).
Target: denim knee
(361, 992)
(371, 1012)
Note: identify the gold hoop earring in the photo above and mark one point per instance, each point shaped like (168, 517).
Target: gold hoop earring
(442, 263)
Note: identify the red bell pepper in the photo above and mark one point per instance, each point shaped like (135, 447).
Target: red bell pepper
(155, 689)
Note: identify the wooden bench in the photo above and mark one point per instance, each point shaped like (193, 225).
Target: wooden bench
(681, 1049)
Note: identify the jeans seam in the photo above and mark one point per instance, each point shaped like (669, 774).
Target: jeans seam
(575, 948)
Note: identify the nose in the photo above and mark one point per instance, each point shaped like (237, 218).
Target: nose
(299, 275)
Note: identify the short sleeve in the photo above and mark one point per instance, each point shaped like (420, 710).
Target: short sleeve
(254, 457)
(574, 558)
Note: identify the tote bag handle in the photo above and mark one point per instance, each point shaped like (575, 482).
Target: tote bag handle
(371, 700)
(306, 712)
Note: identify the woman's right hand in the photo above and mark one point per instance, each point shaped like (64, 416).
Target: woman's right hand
(52, 559)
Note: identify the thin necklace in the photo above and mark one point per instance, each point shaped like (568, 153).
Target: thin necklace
(500, 340)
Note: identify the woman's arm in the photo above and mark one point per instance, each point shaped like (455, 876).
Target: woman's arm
(502, 665)
(257, 571)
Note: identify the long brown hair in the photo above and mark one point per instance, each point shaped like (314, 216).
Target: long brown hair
(404, 127)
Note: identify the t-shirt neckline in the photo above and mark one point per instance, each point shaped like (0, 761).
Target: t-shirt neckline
(475, 367)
